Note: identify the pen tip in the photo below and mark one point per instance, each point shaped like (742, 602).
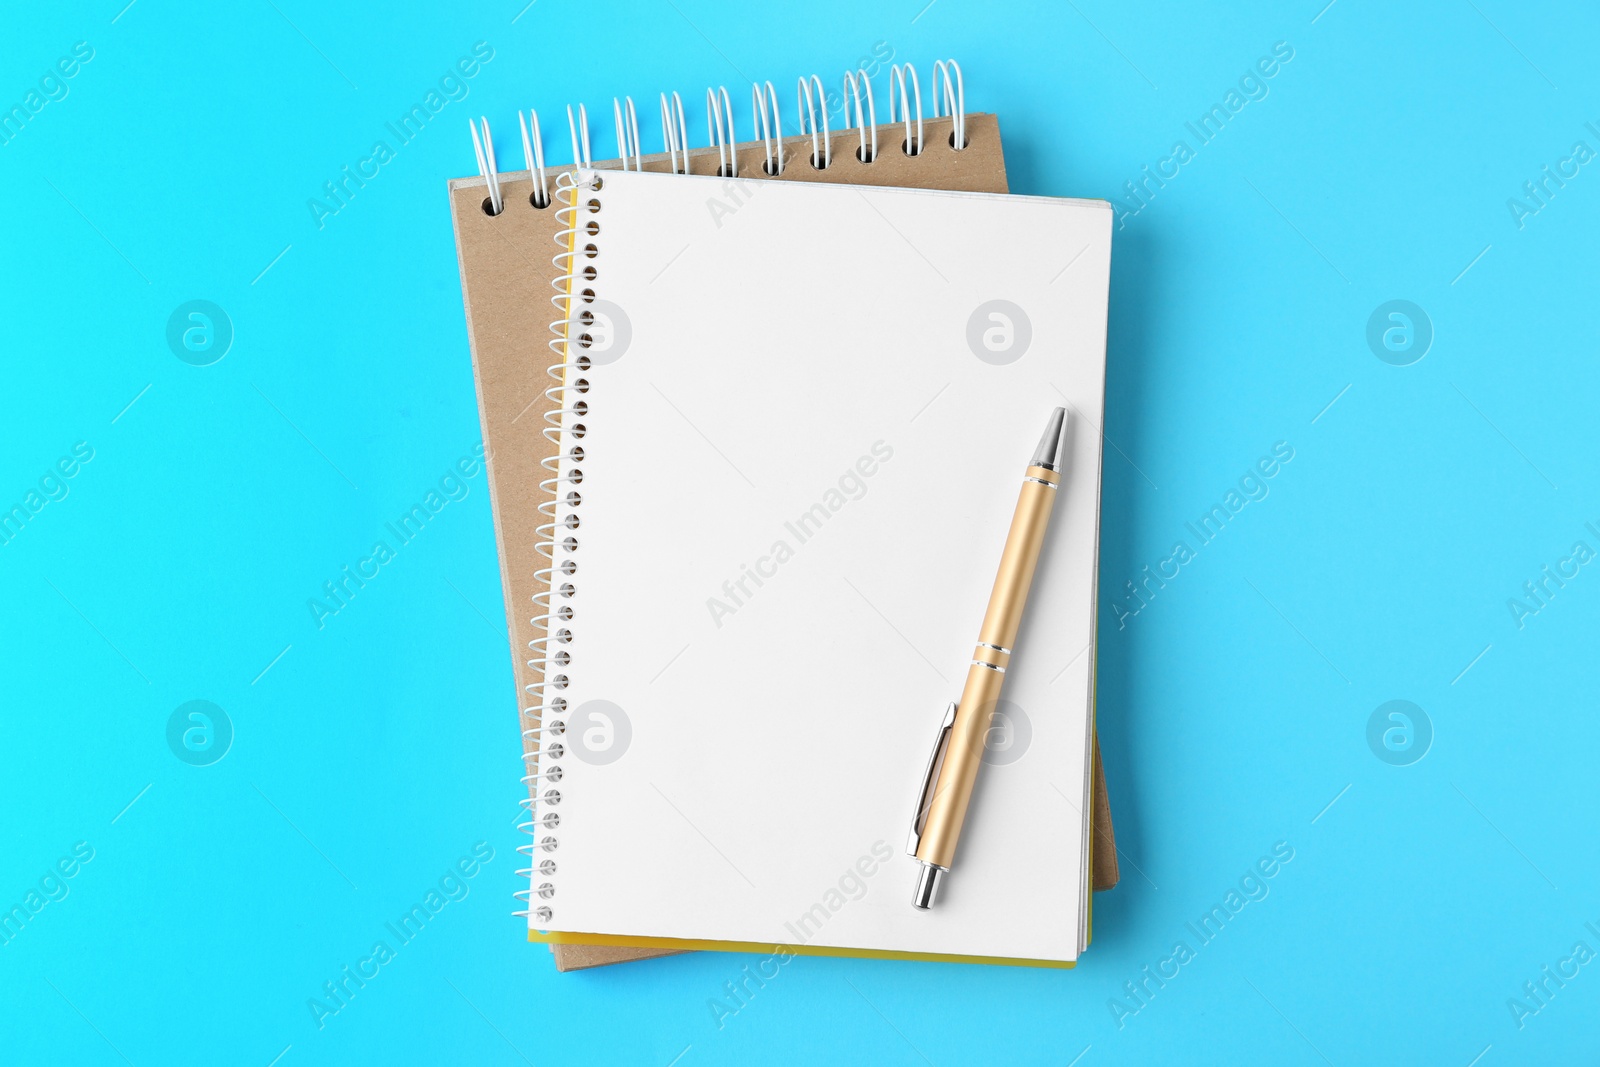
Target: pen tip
(1052, 448)
(927, 886)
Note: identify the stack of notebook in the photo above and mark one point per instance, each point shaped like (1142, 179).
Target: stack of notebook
(752, 463)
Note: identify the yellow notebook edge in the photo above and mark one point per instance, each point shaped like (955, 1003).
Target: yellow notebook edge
(685, 945)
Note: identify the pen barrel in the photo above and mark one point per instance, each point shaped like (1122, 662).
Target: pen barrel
(1021, 556)
(958, 772)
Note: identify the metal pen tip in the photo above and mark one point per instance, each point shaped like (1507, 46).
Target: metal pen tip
(1052, 449)
(927, 886)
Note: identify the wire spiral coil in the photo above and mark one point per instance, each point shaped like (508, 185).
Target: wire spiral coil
(812, 111)
(564, 429)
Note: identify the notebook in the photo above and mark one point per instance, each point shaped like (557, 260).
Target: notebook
(505, 257)
(790, 434)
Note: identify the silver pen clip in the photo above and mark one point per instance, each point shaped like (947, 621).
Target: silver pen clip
(925, 799)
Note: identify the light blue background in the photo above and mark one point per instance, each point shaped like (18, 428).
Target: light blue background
(373, 753)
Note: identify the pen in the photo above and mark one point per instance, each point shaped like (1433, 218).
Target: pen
(958, 749)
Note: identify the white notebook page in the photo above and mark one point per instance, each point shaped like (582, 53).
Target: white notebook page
(801, 456)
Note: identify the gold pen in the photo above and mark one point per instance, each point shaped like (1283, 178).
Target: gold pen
(953, 766)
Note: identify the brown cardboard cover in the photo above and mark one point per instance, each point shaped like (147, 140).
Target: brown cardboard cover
(507, 277)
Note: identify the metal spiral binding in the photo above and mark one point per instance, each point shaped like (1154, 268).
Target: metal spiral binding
(547, 652)
(954, 99)
(486, 164)
(821, 158)
(766, 133)
(628, 133)
(862, 122)
(719, 116)
(898, 76)
(533, 152)
(580, 145)
(549, 655)
(675, 134)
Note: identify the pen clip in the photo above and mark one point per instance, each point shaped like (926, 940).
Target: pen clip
(925, 797)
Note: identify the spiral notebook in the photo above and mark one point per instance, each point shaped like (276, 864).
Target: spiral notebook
(736, 703)
(503, 264)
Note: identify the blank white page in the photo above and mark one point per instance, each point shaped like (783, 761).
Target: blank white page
(807, 427)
